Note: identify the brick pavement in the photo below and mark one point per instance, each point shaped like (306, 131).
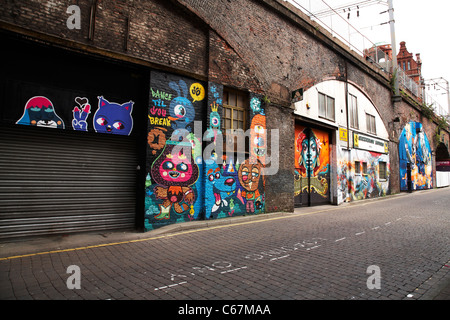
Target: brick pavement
(313, 254)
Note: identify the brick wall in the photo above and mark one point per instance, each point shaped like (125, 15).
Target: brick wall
(258, 46)
(155, 31)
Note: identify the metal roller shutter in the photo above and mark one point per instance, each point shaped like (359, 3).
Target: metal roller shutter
(59, 181)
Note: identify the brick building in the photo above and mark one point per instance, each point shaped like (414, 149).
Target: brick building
(114, 114)
(411, 66)
(383, 53)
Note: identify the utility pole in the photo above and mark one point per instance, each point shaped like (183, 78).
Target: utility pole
(394, 48)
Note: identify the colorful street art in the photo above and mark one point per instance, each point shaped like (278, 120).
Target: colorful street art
(414, 149)
(181, 184)
(355, 184)
(175, 172)
(40, 112)
(110, 117)
(113, 118)
(81, 114)
(174, 183)
(312, 166)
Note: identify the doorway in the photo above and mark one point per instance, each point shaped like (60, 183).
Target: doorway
(312, 166)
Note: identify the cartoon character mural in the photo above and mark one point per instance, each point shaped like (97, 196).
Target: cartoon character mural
(40, 112)
(181, 109)
(174, 171)
(174, 192)
(81, 114)
(414, 149)
(215, 100)
(251, 171)
(312, 162)
(250, 176)
(222, 187)
(258, 137)
(113, 118)
(179, 190)
(110, 117)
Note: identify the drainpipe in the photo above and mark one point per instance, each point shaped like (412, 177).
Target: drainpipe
(92, 17)
(348, 131)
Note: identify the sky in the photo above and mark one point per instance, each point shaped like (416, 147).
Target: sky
(423, 25)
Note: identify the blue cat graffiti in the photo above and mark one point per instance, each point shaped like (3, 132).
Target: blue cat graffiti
(174, 171)
(40, 112)
(113, 118)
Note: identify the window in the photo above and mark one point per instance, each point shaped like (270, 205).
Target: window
(357, 167)
(409, 65)
(234, 116)
(382, 170)
(354, 123)
(370, 123)
(234, 111)
(326, 107)
(364, 165)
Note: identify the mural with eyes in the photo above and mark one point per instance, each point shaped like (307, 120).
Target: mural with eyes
(174, 171)
(250, 174)
(113, 118)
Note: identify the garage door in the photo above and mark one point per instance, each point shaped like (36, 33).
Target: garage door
(64, 182)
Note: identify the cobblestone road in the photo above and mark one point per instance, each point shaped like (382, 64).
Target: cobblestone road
(314, 253)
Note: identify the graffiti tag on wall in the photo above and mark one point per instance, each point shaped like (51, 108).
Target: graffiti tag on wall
(353, 183)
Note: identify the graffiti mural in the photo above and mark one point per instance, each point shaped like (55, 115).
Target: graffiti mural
(233, 188)
(174, 184)
(181, 185)
(312, 166)
(415, 157)
(344, 175)
(80, 114)
(113, 118)
(175, 172)
(110, 117)
(250, 176)
(40, 112)
(360, 176)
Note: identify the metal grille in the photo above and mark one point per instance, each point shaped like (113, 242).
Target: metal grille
(59, 181)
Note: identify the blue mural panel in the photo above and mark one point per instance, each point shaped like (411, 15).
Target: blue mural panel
(414, 149)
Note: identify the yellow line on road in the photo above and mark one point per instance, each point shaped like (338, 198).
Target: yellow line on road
(287, 216)
(167, 235)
